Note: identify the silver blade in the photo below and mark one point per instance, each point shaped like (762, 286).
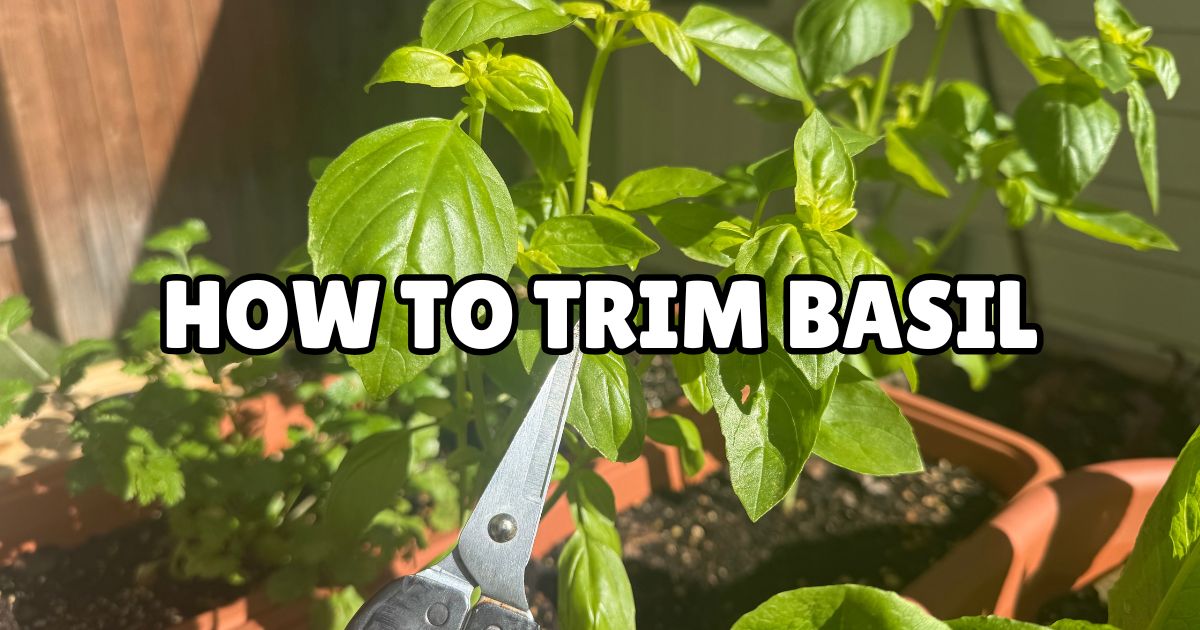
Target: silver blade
(518, 490)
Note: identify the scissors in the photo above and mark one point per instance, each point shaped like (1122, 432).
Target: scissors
(495, 543)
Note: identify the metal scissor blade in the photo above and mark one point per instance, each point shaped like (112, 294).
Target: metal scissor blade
(511, 505)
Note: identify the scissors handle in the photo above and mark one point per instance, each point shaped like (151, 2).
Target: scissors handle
(492, 615)
(414, 602)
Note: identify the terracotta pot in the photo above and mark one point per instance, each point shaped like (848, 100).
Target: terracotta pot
(1049, 541)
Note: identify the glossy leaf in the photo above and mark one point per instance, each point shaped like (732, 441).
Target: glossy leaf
(836, 36)
(1114, 226)
(1018, 201)
(15, 312)
(689, 369)
(770, 433)
(677, 431)
(825, 180)
(608, 407)
(835, 608)
(778, 170)
(864, 431)
(902, 157)
(593, 588)
(776, 252)
(589, 241)
(1069, 132)
(750, 51)
(369, 480)
(589, 10)
(1144, 127)
(670, 40)
(451, 25)
(1103, 61)
(548, 139)
(1162, 63)
(1030, 40)
(698, 229)
(520, 84)
(416, 197)
(424, 66)
(656, 186)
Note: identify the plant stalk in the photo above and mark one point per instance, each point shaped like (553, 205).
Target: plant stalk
(882, 86)
(477, 116)
(587, 114)
(935, 62)
(956, 229)
(478, 403)
(27, 359)
(758, 213)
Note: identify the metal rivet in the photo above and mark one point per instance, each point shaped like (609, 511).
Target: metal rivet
(494, 628)
(437, 614)
(502, 528)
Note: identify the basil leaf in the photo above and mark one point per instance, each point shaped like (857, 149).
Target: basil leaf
(776, 252)
(656, 186)
(1144, 128)
(1114, 226)
(778, 170)
(521, 84)
(593, 588)
(991, 622)
(424, 66)
(697, 229)
(408, 198)
(15, 312)
(750, 51)
(593, 507)
(1074, 624)
(370, 479)
(999, 6)
(835, 607)
(588, 241)
(671, 41)
(681, 433)
(835, 36)
(824, 176)
(904, 159)
(864, 431)
(179, 240)
(1101, 60)
(1162, 64)
(589, 10)
(451, 25)
(770, 435)
(1069, 131)
(1018, 201)
(1030, 40)
(608, 407)
(689, 369)
(965, 112)
(1155, 589)
(550, 144)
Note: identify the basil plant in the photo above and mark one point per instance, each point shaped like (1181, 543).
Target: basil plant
(423, 196)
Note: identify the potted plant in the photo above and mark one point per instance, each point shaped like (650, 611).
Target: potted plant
(423, 196)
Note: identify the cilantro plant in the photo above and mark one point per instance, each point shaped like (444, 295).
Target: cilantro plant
(422, 196)
(1153, 592)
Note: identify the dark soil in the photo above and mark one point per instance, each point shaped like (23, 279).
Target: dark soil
(114, 582)
(695, 561)
(1082, 410)
(1084, 605)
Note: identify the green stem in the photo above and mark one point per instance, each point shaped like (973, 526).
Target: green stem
(935, 61)
(478, 402)
(951, 235)
(587, 115)
(758, 213)
(27, 359)
(882, 85)
(477, 116)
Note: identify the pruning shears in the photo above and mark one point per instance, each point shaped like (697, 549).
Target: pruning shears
(495, 543)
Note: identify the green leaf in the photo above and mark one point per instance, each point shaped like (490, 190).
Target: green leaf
(14, 313)
(677, 431)
(77, 357)
(689, 368)
(904, 159)
(671, 41)
(152, 270)
(836, 608)
(1114, 226)
(656, 186)
(991, 623)
(520, 84)
(1030, 40)
(588, 10)
(369, 480)
(1101, 60)
(1162, 63)
(778, 170)
(1144, 128)
(699, 230)
(1069, 131)
(998, 6)
(750, 51)
(836, 36)
(965, 112)
(769, 435)
(335, 611)
(593, 507)
(532, 262)
(1018, 200)
(608, 407)
(417, 197)
(423, 66)
(316, 168)
(588, 241)
(1073, 624)
(864, 431)
(1158, 586)
(13, 393)
(775, 253)
(547, 138)
(825, 179)
(179, 240)
(593, 588)
(451, 25)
